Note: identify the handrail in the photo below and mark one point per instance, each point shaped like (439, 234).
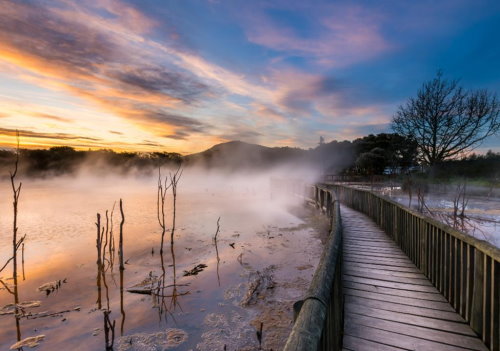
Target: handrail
(320, 320)
(464, 269)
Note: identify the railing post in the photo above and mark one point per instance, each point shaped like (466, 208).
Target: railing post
(477, 294)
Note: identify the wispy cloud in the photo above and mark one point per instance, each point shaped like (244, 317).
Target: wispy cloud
(344, 34)
(53, 117)
(101, 52)
(55, 136)
(72, 48)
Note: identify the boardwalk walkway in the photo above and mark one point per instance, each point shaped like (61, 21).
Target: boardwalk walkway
(389, 303)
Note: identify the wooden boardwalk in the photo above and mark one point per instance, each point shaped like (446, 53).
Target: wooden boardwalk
(389, 303)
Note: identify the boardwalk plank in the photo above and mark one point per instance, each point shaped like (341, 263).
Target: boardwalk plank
(394, 339)
(425, 311)
(379, 275)
(386, 272)
(373, 253)
(380, 262)
(438, 336)
(393, 285)
(394, 292)
(409, 301)
(405, 318)
(358, 344)
(389, 303)
(385, 267)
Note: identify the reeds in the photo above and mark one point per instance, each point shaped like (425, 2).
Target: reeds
(164, 184)
(105, 254)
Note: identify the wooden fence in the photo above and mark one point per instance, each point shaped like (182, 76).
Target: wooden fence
(319, 321)
(464, 269)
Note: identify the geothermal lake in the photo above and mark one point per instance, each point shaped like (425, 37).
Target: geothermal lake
(482, 211)
(264, 260)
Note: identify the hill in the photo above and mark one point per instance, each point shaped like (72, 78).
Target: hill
(241, 155)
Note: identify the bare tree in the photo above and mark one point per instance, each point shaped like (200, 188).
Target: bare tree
(163, 186)
(446, 120)
(174, 180)
(16, 192)
(217, 249)
(460, 201)
(120, 241)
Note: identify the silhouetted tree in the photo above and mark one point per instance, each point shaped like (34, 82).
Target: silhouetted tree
(445, 120)
(372, 162)
(375, 153)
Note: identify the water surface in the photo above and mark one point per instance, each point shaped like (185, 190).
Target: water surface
(258, 237)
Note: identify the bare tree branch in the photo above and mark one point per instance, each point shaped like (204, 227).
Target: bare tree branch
(445, 120)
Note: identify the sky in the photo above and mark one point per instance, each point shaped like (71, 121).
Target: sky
(183, 75)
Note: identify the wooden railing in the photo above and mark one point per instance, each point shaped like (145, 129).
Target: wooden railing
(319, 316)
(464, 269)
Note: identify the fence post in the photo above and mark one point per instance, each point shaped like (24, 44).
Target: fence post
(477, 294)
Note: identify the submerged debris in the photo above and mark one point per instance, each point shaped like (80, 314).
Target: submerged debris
(11, 307)
(160, 341)
(227, 331)
(197, 269)
(43, 314)
(32, 341)
(145, 287)
(52, 286)
(258, 284)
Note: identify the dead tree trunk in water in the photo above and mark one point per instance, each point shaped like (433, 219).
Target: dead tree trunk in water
(112, 239)
(16, 191)
(120, 248)
(217, 249)
(174, 180)
(99, 241)
(160, 206)
(99, 259)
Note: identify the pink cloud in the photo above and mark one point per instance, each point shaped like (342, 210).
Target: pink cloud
(347, 34)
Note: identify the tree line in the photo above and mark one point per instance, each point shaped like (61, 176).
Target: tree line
(62, 160)
(384, 153)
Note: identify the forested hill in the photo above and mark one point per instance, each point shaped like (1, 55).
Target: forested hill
(241, 155)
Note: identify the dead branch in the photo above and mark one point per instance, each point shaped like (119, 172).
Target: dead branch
(217, 250)
(163, 186)
(120, 248)
(174, 181)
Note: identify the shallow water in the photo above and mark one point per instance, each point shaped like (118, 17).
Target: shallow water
(482, 212)
(58, 217)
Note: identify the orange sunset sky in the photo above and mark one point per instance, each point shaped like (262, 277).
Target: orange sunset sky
(182, 76)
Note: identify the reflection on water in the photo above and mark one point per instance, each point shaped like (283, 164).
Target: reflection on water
(84, 313)
(122, 309)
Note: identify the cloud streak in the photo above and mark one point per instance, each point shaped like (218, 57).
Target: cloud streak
(96, 62)
(55, 136)
(345, 34)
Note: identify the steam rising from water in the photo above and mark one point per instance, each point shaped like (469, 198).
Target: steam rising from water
(58, 216)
